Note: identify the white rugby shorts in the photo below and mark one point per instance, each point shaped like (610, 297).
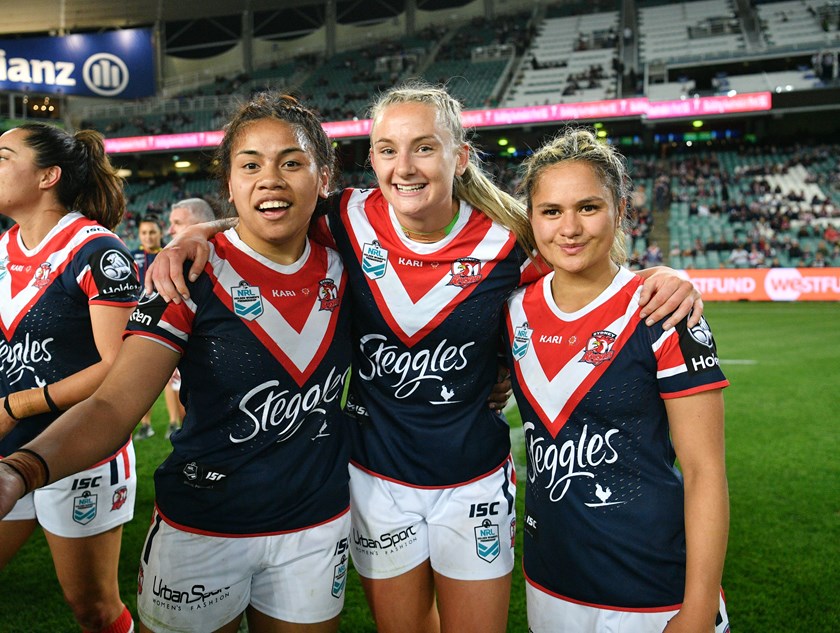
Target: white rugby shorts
(550, 614)
(196, 582)
(467, 531)
(85, 504)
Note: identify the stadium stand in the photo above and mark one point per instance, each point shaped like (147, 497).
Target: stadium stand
(524, 54)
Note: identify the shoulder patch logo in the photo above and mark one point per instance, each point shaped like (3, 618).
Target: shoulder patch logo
(115, 266)
(521, 341)
(465, 271)
(702, 333)
(374, 260)
(599, 348)
(247, 301)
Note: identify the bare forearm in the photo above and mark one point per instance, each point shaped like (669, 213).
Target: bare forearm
(707, 531)
(86, 434)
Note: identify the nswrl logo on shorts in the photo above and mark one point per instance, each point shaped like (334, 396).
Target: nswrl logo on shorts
(84, 508)
(339, 577)
(487, 543)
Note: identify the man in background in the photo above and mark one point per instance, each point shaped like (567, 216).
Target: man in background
(184, 213)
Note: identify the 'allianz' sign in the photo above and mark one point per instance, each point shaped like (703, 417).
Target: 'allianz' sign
(113, 64)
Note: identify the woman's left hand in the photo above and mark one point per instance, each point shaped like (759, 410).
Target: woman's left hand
(664, 293)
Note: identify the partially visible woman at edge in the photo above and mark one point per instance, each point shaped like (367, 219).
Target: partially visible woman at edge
(67, 287)
(432, 255)
(617, 539)
(252, 505)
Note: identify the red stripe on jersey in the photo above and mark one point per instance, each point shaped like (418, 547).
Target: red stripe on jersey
(698, 389)
(426, 273)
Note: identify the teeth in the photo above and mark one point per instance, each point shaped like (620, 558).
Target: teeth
(274, 204)
(409, 187)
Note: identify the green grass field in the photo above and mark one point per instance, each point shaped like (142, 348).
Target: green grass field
(782, 414)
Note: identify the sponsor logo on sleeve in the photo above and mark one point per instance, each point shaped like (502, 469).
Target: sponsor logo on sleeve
(698, 347)
(113, 274)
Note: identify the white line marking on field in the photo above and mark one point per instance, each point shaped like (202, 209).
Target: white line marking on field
(738, 361)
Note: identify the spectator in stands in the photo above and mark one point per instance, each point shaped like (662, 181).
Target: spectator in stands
(408, 477)
(252, 505)
(69, 286)
(739, 257)
(652, 256)
(831, 234)
(755, 257)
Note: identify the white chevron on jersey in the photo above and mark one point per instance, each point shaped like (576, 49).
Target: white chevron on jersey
(302, 348)
(415, 318)
(13, 307)
(555, 397)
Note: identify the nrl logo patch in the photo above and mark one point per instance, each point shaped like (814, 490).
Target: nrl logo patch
(374, 260)
(521, 341)
(247, 301)
(84, 508)
(599, 348)
(465, 271)
(487, 543)
(339, 577)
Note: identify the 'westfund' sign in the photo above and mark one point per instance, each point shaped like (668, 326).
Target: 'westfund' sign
(766, 284)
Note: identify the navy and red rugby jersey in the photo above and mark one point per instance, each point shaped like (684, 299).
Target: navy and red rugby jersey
(426, 327)
(45, 294)
(265, 353)
(604, 501)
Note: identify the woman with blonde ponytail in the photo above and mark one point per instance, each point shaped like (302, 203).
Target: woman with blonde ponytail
(67, 287)
(432, 254)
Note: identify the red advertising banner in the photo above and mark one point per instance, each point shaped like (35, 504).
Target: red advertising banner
(766, 284)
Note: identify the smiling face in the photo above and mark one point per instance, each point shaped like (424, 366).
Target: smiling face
(274, 183)
(416, 160)
(575, 219)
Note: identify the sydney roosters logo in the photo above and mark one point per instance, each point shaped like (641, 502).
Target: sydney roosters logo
(465, 271)
(42, 275)
(328, 295)
(599, 348)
